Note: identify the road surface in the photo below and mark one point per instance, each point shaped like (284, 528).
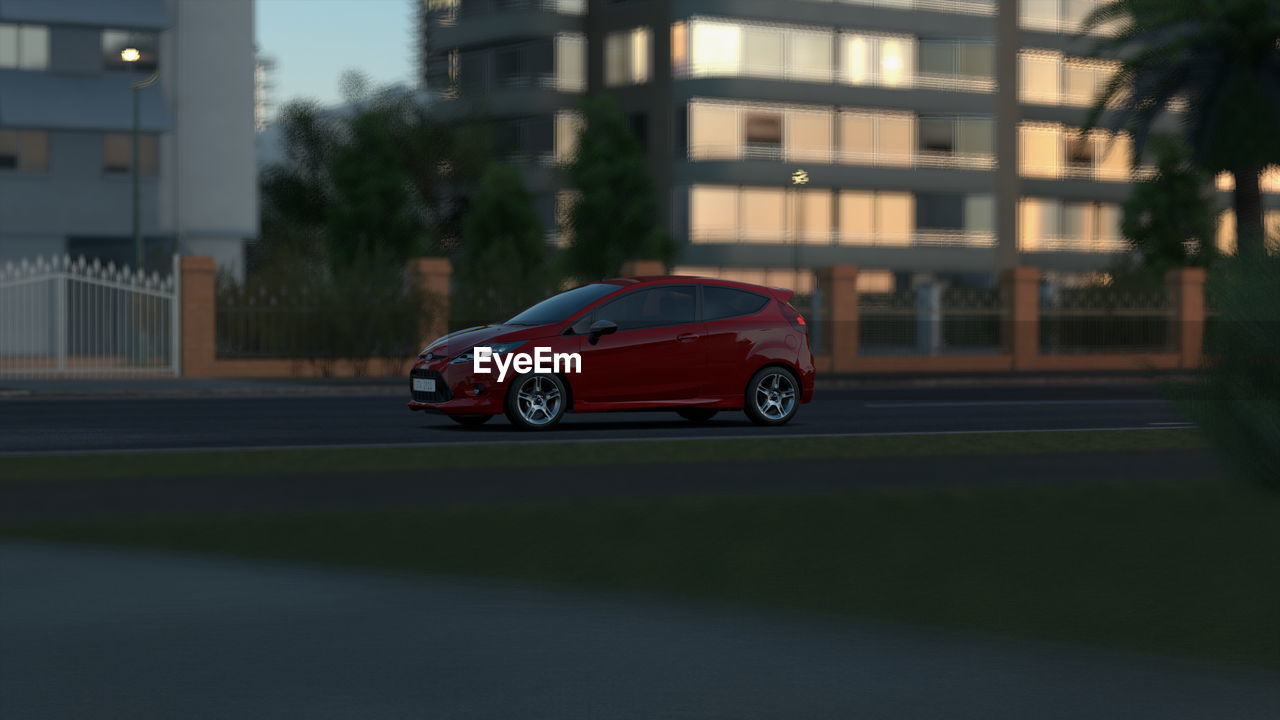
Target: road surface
(69, 424)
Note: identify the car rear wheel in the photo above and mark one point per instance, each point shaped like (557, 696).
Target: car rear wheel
(773, 396)
(471, 420)
(536, 402)
(697, 415)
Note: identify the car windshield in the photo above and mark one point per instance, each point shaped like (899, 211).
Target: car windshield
(559, 307)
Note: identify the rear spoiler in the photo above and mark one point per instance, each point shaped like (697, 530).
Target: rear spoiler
(782, 295)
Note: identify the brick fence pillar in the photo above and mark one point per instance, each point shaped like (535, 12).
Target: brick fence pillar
(643, 268)
(1022, 329)
(431, 276)
(839, 314)
(198, 308)
(1186, 290)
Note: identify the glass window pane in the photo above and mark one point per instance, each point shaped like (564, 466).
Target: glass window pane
(571, 63)
(716, 49)
(937, 57)
(117, 153)
(940, 211)
(763, 52)
(1038, 223)
(713, 214)
(641, 55)
(1080, 83)
(722, 302)
(1040, 14)
(1039, 78)
(937, 135)
(813, 216)
(8, 45)
(679, 47)
(1110, 216)
(857, 217)
(980, 213)
(976, 136)
(857, 58)
(764, 215)
(896, 139)
(809, 136)
(617, 65)
(9, 153)
(857, 138)
(1078, 222)
(568, 127)
(35, 150)
(811, 55)
(713, 132)
(762, 134)
(895, 218)
(33, 41)
(897, 64)
(976, 59)
(1040, 151)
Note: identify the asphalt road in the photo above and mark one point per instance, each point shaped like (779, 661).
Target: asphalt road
(64, 424)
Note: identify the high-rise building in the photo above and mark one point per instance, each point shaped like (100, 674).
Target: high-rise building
(790, 134)
(263, 91)
(68, 71)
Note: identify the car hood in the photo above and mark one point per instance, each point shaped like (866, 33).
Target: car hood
(462, 340)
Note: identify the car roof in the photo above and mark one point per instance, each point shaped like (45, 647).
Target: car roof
(782, 294)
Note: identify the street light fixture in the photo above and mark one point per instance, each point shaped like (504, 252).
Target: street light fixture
(133, 55)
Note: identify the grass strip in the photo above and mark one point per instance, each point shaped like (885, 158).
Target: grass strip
(1185, 569)
(569, 454)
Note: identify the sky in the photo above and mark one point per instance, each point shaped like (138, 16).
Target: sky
(315, 41)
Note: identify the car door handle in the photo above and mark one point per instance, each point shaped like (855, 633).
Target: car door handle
(687, 337)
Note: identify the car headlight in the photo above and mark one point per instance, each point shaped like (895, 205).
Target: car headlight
(498, 349)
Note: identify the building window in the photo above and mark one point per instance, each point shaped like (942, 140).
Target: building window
(116, 42)
(876, 218)
(24, 150)
(568, 129)
(740, 49)
(762, 134)
(571, 62)
(628, 57)
(1054, 151)
(1050, 78)
(117, 153)
(24, 47)
(1058, 225)
(872, 59)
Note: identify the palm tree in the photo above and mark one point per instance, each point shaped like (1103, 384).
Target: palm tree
(1219, 58)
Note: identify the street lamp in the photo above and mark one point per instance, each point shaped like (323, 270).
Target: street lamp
(133, 55)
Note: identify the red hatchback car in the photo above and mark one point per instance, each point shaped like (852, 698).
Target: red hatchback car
(688, 344)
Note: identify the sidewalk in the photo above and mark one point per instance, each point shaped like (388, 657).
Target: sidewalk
(320, 387)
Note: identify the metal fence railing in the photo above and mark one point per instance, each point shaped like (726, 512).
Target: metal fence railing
(1106, 320)
(932, 320)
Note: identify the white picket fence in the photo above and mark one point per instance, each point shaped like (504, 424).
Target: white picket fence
(61, 317)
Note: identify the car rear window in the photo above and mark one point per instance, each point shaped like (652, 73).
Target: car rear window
(723, 302)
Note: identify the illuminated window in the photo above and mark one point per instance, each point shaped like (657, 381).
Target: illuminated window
(568, 127)
(571, 63)
(713, 132)
(628, 57)
(713, 214)
(1040, 150)
(872, 59)
(809, 136)
(716, 49)
(1039, 77)
(764, 215)
(812, 222)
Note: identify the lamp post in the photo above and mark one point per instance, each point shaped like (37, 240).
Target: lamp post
(133, 55)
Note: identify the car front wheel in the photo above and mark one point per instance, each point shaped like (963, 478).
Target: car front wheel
(773, 396)
(536, 402)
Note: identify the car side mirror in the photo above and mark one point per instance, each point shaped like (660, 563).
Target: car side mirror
(600, 328)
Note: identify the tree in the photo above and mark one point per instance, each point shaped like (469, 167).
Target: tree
(1222, 57)
(502, 265)
(1169, 219)
(615, 215)
(379, 178)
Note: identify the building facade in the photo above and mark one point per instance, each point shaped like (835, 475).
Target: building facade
(66, 128)
(915, 139)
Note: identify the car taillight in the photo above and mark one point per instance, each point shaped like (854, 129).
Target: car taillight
(795, 318)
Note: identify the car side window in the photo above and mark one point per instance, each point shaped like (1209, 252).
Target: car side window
(654, 307)
(723, 302)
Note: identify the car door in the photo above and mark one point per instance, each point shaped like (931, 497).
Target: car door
(657, 354)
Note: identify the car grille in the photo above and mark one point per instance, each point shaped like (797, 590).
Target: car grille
(441, 394)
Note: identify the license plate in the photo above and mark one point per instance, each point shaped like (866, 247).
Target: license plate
(424, 385)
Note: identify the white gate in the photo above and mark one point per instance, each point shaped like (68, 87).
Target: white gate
(72, 318)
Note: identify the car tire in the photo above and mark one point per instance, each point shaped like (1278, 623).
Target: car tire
(697, 415)
(536, 401)
(773, 396)
(471, 420)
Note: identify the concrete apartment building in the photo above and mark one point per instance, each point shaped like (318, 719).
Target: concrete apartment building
(916, 139)
(66, 128)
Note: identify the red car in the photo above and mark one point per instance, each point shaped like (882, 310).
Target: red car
(688, 344)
